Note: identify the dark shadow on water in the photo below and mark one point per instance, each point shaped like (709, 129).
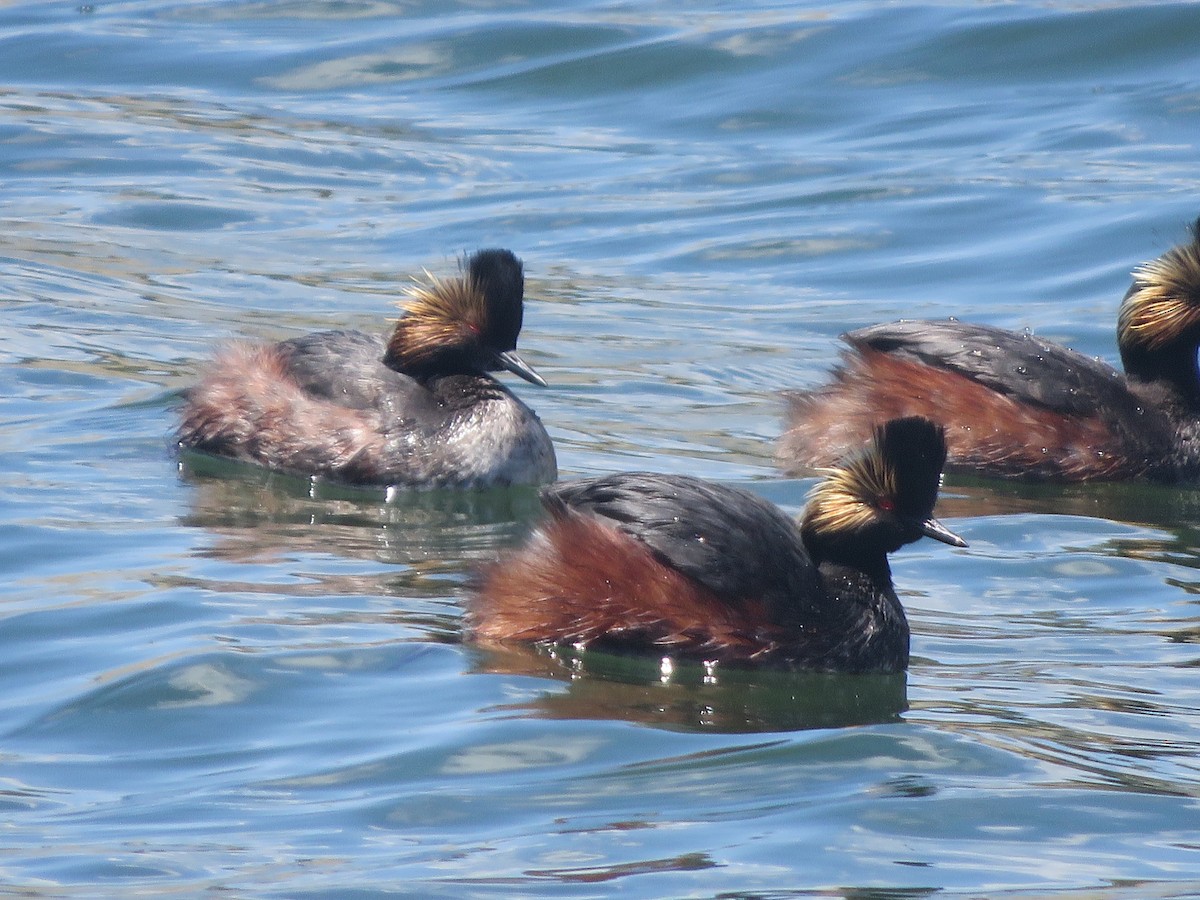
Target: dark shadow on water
(690, 696)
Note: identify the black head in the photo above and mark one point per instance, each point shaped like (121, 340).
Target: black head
(499, 276)
(465, 324)
(882, 498)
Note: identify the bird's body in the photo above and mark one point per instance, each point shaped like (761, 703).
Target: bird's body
(418, 410)
(685, 567)
(1017, 406)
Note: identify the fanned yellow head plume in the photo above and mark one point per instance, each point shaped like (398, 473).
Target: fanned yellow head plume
(439, 314)
(852, 496)
(1163, 304)
(882, 497)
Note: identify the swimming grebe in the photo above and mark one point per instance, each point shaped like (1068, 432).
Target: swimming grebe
(1018, 406)
(691, 569)
(418, 410)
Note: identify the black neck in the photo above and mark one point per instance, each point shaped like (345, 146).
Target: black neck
(865, 625)
(864, 550)
(1173, 368)
(450, 361)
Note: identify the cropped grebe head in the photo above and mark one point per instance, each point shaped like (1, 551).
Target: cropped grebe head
(1158, 328)
(881, 498)
(465, 324)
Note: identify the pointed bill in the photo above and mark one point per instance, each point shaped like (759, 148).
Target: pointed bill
(931, 527)
(510, 361)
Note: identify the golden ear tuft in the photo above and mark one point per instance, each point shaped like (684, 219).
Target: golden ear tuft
(852, 496)
(439, 313)
(454, 299)
(1164, 302)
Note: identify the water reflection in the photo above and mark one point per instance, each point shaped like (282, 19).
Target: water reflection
(685, 862)
(354, 555)
(691, 696)
(1148, 504)
(256, 514)
(1173, 510)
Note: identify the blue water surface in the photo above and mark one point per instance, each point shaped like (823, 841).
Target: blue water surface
(215, 681)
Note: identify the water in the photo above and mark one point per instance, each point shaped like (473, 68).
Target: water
(222, 681)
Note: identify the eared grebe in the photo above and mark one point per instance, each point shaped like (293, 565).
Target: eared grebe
(419, 410)
(692, 569)
(1017, 406)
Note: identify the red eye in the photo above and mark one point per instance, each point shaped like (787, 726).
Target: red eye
(887, 504)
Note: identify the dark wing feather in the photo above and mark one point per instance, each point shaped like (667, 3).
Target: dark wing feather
(347, 368)
(734, 543)
(1019, 365)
